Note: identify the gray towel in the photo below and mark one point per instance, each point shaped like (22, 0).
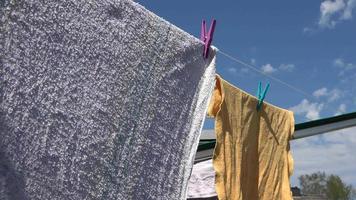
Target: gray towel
(99, 100)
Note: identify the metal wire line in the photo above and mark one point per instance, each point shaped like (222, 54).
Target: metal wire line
(267, 75)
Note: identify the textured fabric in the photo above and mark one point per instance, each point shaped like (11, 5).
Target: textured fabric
(251, 157)
(202, 181)
(99, 100)
(205, 198)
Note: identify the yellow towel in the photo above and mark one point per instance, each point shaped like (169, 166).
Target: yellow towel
(251, 157)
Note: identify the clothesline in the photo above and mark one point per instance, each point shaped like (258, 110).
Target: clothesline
(254, 68)
(149, 111)
(264, 74)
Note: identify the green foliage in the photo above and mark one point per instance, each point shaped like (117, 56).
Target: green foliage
(336, 189)
(329, 186)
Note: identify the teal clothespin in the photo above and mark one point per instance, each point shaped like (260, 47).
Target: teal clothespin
(261, 95)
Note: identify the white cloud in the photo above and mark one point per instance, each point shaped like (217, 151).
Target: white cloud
(344, 66)
(320, 92)
(253, 61)
(331, 95)
(310, 110)
(341, 109)
(236, 71)
(268, 69)
(307, 30)
(339, 62)
(334, 95)
(311, 30)
(327, 10)
(333, 11)
(287, 67)
(331, 152)
(351, 4)
(232, 69)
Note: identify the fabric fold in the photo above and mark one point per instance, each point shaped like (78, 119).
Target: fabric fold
(252, 158)
(202, 181)
(99, 100)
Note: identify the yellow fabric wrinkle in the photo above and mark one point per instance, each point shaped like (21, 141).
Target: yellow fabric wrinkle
(252, 158)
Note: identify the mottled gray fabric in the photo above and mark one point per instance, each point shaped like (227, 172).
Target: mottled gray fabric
(99, 100)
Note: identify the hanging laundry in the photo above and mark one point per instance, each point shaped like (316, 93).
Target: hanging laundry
(99, 100)
(202, 181)
(252, 156)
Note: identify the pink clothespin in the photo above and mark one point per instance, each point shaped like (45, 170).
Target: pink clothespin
(207, 38)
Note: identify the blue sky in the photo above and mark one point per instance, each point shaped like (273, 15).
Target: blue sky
(308, 44)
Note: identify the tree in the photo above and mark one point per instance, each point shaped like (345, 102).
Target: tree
(336, 189)
(330, 186)
(313, 184)
(353, 194)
